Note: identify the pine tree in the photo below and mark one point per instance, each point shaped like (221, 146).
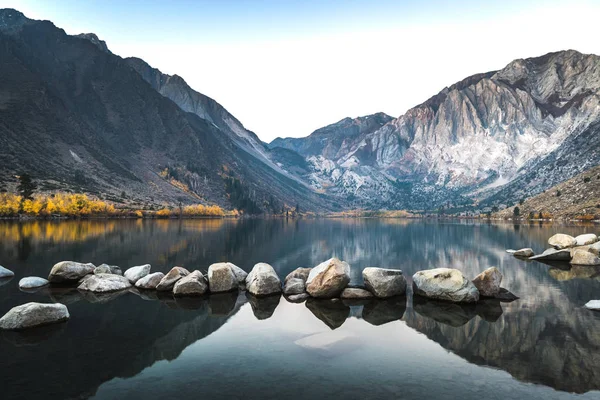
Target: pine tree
(26, 187)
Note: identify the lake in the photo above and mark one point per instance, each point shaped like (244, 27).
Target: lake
(139, 345)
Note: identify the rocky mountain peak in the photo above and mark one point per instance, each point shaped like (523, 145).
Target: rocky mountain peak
(92, 37)
(12, 20)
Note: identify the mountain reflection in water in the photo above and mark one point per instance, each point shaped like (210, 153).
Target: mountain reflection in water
(545, 338)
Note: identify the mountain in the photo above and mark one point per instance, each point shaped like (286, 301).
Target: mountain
(77, 117)
(470, 141)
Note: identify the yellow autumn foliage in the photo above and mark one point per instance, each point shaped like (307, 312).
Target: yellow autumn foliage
(64, 204)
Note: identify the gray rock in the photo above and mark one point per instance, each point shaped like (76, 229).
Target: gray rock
(299, 273)
(595, 248)
(6, 273)
(108, 269)
(240, 274)
(169, 280)
(562, 241)
(103, 283)
(150, 281)
(505, 296)
(445, 284)
(585, 239)
(32, 282)
(69, 271)
(593, 305)
(356, 293)
(488, 282)
(384, 282)
(527, 252)
(134, 274)
(33, 314)
(193, 284)
(297, 298)
(553, 255)
(294, 286)
(263, 280)
(574, 249)
(582, 257)
(328, 279)
(511, 251)
(221, 278)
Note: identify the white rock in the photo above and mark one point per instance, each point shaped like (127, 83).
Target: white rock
(527, 252)
(221, 278)
(134, 274)
(69, 271)
(33, 314)
(32, 282)
(193, 284)
(263, 280)
(582, 257)
(5, 273)
(171, 278)
(328, 279)
(445, 284)
(384, 282)
(103, 283)
(150, 281)
(588, 238)
(595, 248)
(593, 305)
(562, 241)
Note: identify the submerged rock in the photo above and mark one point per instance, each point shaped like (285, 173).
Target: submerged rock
(32, 282)
(583, 257)
(328, 279)
(6, 273)
(134, 274)
(553, 255)
(593, 305)
(445, 284)
(562, 241)
(192, 285)
(488, 282)
(263, 280)
(384, 282)
(169, 280)
(294, 286)
(221, 278)
(150, 281)
(527, 252)
(69, 271)
(103, 283)
(356, 293)
(588, 238)
(33, 314)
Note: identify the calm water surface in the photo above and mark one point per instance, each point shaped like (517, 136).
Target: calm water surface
(134, 346)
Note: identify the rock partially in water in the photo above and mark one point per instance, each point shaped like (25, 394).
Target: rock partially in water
(583, 257)
(595, 248)
(69, 271)
(150, 281)
(452, 314)
(553, 255)
(192, 285)
(562, 241)
(445, 284)
(102, 297)
(505, 296)
(6, 273)
(297, 298)
(525, 253)
(108, 269)
(134, 274)
(32, 282)
(33, 314)
(328, 279)
(488, 282)
(240, 275)
(356, 293)
(221, 278)
(384, 282)
(103, 283)
(331, 311)
(263, 280)
(298, 273)
(294, 286)
(576, 248)
(585, 239)
(593, 305)
(511, 251)
(381, 311)
(169, 280)
(263, 307)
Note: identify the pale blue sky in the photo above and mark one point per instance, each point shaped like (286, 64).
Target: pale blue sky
(286, 68)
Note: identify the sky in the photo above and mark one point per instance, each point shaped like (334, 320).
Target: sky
(287, 68)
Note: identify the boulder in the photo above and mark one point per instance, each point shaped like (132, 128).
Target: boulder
(328, 279)
(562, 241)
(593, 305)
(595, 248)
(6, 273)
(193, 284)
(572, 250)
(294, 286)
(298, 273)
(553, 255)
(384, 282)
(221, 278)
(585, 239)
(103, 283)
(505, 296)
(263, 280)
(297, 298)
(240, 274)
(108, 269)
(356, 293)
(134, 274)
(32, 282)
(69, 271)
(582, 257)
(33, 314)
(527, 252)
(150, 281)
(445, 284)
(488, 282)
(169, 280)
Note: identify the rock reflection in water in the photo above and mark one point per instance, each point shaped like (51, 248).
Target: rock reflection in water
(33, 336)
(382, 311)
(333, 312)
(263, 307)
(222, 304)
(452, 314)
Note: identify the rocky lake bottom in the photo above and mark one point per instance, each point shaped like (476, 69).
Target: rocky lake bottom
(135, 344)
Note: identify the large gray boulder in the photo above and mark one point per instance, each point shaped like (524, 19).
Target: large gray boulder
(585, 239)
(150, 281)
(488, 282)
(240, 274)
(169, 280)
(108, 269)
(384, 282)
(294, 286)
(134, 274)
(553, 255)
(583, 257)
(445, 284)
(6, 273)
(103, 283)
(527, 252)
(33, 314)
(298, 273)
(70, 271)
(562, 241)
(263, 280)
(32, 282)
(193, 284)
(222, 278)
(328, 279)
(595, 248)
